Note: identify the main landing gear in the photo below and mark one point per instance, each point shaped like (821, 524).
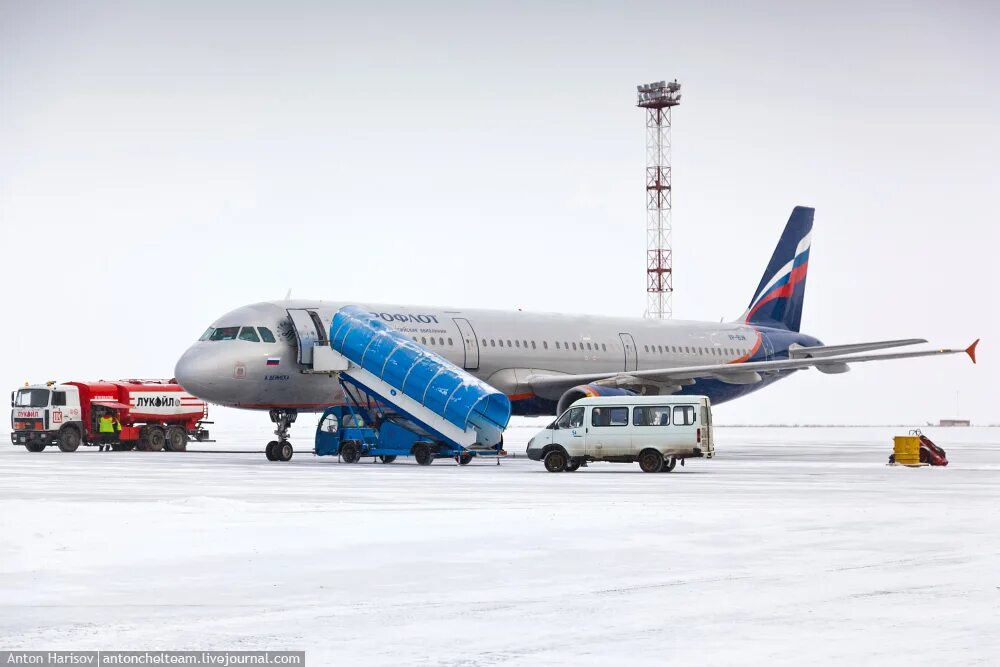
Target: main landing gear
(281, 449)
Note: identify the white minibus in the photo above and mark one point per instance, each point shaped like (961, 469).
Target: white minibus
(656, 431)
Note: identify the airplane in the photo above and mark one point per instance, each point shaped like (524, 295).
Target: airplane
(258, 357)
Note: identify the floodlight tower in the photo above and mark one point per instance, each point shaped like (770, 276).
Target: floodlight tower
(658, 99)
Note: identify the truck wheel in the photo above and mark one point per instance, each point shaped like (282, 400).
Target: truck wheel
(387, 459)
(669, 464)
(34, 446)
(154, 439)
(69, 440)
(350, 452)
(555, 461)
(651, 460)
(464, 458)
(269, 450)
(284, 451)
(177, 439)
(572, 467)
(423, 454)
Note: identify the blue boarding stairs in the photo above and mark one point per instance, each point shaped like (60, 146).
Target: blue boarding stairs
(403, 399)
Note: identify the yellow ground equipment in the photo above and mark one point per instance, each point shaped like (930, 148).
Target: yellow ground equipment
(906, 450)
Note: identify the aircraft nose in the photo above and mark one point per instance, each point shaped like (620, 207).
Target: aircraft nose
(197, 372)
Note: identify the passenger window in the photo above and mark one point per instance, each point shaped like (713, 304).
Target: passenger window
(572, 418)
(557, 345)
(423, 340)
(565, 345)
(501, 342)
(532, 345)
(545, 344)
(225, 333)
(683, 415)
(493, 343)
(651, 415)
(266, 335)
(574, 347)
(604, 348)
(609, 417)
(449, 342)
(517, 343)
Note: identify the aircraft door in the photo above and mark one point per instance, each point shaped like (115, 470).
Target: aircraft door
(631, 359)
(309, 331)
(469, 342)
(768, 346)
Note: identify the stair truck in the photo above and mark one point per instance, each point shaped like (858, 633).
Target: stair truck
(371, 429)
(154, 415)
(401, 399)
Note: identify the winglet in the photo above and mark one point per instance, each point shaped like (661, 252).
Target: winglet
(971, 350)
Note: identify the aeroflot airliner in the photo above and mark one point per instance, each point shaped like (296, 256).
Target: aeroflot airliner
(259, 356)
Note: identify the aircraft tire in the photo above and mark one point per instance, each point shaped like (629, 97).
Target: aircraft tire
(177, 439)
(555, 461)
(269, 450)
(69, 440)
(650, 460)
(284, 451)
(422, 453)
(350, 452)
(669, 464)
(387, 459)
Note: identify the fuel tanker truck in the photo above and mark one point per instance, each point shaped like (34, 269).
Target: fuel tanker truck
(148, 415)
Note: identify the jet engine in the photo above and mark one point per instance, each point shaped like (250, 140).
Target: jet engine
(586, 390)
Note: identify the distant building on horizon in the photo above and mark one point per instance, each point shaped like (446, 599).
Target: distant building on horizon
(955, 422)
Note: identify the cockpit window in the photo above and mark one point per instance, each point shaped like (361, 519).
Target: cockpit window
(225, 333)
(249, 334)
(207, 334)
(32, 398)
(266, 335)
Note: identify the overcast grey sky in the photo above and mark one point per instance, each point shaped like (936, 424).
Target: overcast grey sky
(162, 163)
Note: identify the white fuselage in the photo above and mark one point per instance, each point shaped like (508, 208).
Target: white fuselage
(500, 347)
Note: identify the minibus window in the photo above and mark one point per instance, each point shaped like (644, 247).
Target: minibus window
(683, 415)
(572, 418)
(651, 415)
(609, 417)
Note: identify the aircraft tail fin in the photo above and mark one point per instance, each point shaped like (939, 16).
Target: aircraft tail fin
(779, 296)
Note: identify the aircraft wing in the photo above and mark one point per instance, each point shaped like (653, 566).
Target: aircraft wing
(669, 380)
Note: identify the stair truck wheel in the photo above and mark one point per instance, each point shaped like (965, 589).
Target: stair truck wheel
(154, 439)
(69, 440)
(177, 439)
(463, 459)
(387, 459)
(34, 446)
(650, 460)
(572, 467)
(422, 453)
(284, 451)
(669, 464)
(555, 461)
(350, 452)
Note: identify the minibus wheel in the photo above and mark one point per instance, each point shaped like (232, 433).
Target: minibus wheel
(650, 460)
(572, 467)
(555, 461)
(669, 464)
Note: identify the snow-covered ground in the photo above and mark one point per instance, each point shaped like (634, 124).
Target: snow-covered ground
(793, 546)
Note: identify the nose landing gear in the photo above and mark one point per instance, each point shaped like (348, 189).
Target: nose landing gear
(281, 449)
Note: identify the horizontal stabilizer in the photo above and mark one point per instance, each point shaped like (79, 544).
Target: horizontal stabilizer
(796, 351)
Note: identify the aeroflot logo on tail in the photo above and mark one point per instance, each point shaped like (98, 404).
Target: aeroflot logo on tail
(403, 317)
(157, 402)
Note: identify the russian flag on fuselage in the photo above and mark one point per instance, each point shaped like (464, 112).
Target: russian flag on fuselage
(781, 292)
